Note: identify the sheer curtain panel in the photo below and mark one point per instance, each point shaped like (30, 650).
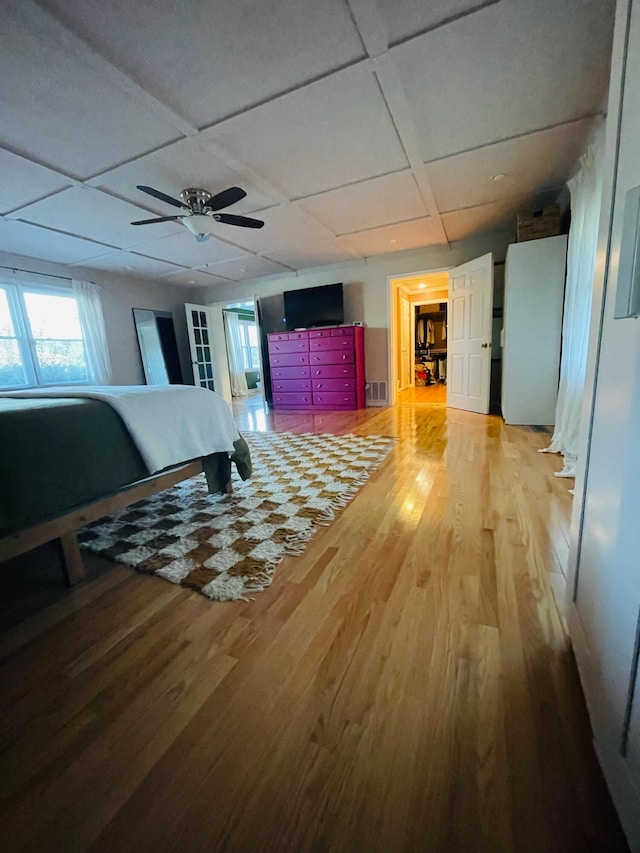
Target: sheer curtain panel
(93, 331)
(234, 355)
(586, 190)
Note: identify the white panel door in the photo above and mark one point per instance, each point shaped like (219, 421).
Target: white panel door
(200, 344)
(469, 335)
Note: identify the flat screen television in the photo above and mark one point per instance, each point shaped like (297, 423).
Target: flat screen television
(314, 306)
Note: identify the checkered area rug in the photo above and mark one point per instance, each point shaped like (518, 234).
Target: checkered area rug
(227, 547)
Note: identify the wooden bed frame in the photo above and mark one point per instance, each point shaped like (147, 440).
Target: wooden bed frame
(64, 527)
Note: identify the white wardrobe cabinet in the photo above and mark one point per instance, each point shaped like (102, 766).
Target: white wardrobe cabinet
(533, 300)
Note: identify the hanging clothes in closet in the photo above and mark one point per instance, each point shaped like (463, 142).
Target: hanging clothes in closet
(421, 332)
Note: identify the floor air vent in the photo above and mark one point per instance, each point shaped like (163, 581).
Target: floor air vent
(377, 393)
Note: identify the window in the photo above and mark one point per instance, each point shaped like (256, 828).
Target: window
(12, 372)
(40, 338)
(249, 336)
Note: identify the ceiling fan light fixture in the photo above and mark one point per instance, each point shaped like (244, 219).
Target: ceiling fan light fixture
(202, 209)
(198, 224)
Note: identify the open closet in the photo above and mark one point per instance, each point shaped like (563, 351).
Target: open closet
(431, 344)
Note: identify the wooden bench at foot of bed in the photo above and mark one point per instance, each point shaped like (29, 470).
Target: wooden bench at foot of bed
(64, 527)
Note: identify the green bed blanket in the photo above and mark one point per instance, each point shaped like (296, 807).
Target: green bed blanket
(56, 455)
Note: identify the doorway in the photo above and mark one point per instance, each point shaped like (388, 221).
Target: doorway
(468, 290)
(242, 345)
(418, 338)
(430, 353)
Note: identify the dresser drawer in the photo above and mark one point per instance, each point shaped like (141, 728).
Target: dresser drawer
(335, 400)
(289, 373)
(279, 336)
(332, 371)
(301, 345)
(288, 359)
(332, 356)
(299, 399)
(334, 385)
(344, 343)
(292, 386)
(343, 332)
(298, 336)
(320, 333)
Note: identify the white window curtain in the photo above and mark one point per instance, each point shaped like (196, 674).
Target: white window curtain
(234, 355)
(586, 190)
(93, 331)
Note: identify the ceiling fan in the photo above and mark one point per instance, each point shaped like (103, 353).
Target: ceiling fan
(201, 208)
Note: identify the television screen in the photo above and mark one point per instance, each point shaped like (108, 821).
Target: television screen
(314, 306)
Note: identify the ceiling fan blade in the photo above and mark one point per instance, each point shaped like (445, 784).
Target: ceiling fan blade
(158, 219)
(162, 196)
(225, 198)
(232, 219)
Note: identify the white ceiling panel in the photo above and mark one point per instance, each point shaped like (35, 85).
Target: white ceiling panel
(195, 56)
(332, 132)
(62, 112)
(183, 164)
(283, 226)
(19, 238)
(90, 213)
(393, 238)
(405, 18)
(130, 264)
(316, 254)
(193, 278)
(486, 217)
(245, 268)
(461, 224)
(184, 249)
(24, 181)
(391, 198)
(531, 162)
(509, 69)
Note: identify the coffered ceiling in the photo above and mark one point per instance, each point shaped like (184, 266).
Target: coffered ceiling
(357, 127)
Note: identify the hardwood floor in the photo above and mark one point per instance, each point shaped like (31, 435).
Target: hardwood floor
(405, 685)
(423, 395)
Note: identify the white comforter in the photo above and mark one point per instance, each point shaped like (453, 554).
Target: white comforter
(169, 424)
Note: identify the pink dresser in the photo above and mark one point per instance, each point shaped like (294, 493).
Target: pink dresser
(318, 368)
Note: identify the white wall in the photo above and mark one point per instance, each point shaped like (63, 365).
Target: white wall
(366, 287)
(605, 547)
(119, 296)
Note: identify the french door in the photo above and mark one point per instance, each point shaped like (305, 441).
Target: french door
(200, 344)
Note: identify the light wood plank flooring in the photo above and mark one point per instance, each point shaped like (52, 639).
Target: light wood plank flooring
(423, 394)
(405, 686)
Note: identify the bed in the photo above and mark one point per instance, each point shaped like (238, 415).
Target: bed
(71, 455)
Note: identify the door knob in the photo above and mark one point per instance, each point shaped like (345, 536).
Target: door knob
(484, 346)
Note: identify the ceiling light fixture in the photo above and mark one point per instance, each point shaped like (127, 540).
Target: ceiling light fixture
(393, 240)
(499, 176)
(422, 285)
(128, 268)
(199, 225)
